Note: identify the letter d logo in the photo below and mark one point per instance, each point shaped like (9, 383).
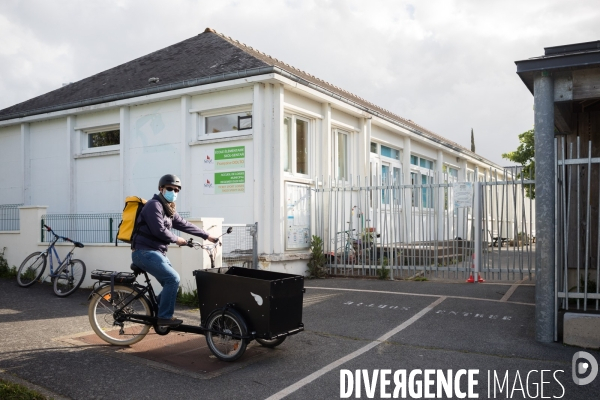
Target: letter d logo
(583, 367)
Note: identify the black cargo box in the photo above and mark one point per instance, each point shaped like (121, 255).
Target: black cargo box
(270, 302)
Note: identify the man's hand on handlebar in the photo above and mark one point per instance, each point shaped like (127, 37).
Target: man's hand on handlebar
(181, 241)
(212, 239)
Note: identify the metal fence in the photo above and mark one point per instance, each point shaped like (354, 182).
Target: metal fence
(87, 228)
(577, 227)
(239, 247)
(508, 229)
(415, 230)
(9, 217)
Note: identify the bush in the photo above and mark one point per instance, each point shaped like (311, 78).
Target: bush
(383, 273)
(316, 264)
(5, 270)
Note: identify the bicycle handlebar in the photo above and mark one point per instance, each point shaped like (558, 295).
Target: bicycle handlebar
(77, 244)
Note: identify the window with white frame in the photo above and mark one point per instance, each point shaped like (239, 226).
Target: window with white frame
(422, 174)
(295, 145)
(225, 122)
(470, 175)
(341, 156)
(450, 176)
(100, 139)
(391, 175)
(228, 122)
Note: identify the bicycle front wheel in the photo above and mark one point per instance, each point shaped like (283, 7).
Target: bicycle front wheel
(225, 341)
(31, 269)
(68, 278)
(102, 309)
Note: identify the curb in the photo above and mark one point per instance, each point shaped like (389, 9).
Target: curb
(43, 391)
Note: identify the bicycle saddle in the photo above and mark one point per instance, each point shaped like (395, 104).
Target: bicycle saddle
(136, 270)
(78, 244)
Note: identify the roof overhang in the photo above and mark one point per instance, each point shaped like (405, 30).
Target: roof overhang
(560, 58)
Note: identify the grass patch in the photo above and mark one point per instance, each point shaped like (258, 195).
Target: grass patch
(14, 391)
(420, 279)
(5, 270)
(189, 298)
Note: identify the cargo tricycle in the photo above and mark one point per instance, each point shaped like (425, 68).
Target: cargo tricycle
(237, 305)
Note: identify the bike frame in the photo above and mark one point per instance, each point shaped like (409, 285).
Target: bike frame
(52, 249)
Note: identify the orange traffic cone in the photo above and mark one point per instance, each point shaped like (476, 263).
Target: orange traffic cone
(472, 278)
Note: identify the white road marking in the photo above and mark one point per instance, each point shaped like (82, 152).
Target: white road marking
(511, 290)
(419, 294)
(314, 299)
(291, 389)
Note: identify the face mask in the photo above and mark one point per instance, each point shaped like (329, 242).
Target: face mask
(170, 196)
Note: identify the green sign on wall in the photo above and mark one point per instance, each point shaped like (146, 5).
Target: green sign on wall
(230, 157)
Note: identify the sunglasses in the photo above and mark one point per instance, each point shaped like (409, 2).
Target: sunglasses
(170, 189)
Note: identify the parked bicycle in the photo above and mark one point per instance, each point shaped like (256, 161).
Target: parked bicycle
(352, 248)
(69, 273)
(121, 310)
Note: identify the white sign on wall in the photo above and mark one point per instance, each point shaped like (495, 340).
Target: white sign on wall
(462, 193)
(297, 229)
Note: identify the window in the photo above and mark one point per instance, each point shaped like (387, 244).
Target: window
(450, 176)
(104, 138)
(228, 122)
(389, 152)
(373, 147)
(422, 174)
(342, 150)
(223, 123)
(295, 145)
(100, 139)
(391, 176)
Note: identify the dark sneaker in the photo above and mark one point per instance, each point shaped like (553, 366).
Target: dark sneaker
(169, 322)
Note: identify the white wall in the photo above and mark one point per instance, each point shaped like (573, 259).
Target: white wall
(97, 180)
(11, 165)
(154, 146)
(49, 165)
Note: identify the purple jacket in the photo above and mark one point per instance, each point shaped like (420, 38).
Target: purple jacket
(158, 225)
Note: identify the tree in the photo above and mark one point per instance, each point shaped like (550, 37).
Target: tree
(525, 155)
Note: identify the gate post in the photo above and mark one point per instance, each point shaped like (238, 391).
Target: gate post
(543, 87)
(477, 226)
(254, 233)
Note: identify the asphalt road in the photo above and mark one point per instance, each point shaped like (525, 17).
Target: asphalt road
(351, 324)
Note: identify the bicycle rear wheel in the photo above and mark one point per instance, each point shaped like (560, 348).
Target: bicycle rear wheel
(68, 278)
(222, 343)
(102, 309)
(31, 269)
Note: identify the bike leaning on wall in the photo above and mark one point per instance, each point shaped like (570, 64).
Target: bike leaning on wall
(69, 274)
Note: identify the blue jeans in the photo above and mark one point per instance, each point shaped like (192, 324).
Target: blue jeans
(159, 266)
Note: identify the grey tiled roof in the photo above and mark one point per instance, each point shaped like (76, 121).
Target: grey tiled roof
(191, 62)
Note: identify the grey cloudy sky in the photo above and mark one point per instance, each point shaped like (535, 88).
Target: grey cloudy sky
(446, 64)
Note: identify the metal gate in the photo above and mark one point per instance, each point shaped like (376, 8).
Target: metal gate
(417, 231)
(240, 246)
(577, 227)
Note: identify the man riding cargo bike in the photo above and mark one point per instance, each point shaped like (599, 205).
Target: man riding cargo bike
(151, 240)
(237, 305)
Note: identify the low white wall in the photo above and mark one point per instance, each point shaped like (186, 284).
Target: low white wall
(104, 256)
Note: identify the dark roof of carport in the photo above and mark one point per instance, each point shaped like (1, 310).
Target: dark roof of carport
(560, 58)
(205, 58)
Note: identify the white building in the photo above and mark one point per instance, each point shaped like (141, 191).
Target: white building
(245, 132)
